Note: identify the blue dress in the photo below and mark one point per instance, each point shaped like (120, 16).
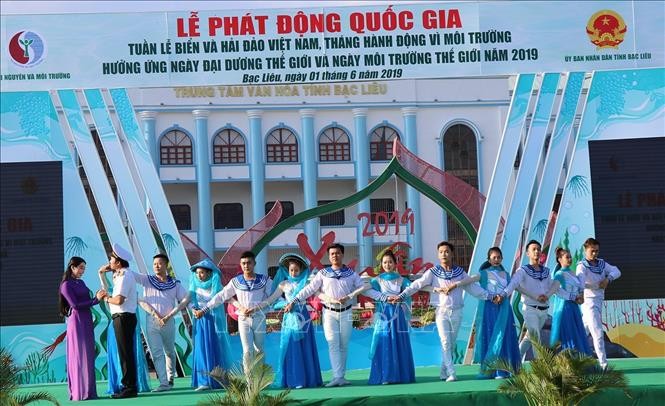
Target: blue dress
(496, 332)
(211, 348)
(390, 351)
(567, 326)
(114, 369)
(299, 360)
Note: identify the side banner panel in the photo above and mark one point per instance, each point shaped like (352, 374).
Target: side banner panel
(621, 139)
(31, 132)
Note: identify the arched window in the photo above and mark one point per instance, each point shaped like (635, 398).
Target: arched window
(460, 159)
(228, 147)
(175, 148)
(282, 146)
(334, 145)
(381, 143)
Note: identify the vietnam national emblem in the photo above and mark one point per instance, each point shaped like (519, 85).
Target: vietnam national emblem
(606, 29)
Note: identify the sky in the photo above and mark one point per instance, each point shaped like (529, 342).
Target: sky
(61, 7)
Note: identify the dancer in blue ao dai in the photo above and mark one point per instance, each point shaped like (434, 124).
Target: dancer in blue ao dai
(496, 332)
(390, 351)
(114, 368)
(298, 365)
(210, 334)
(567, 326)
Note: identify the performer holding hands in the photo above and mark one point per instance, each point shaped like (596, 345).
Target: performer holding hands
(496, 333)
(390, 351)
(75, 304)
(342, 284)
(445, 279)
(251, 289)
(533, 281)
(567, 326)
(298, 365)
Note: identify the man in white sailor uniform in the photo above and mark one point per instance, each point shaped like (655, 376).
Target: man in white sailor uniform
(536, 286)
(161, 295)
(251, 289)
(595, 274)
(445, 279)
(341, 284)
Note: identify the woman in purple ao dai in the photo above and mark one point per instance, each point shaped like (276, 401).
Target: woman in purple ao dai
(75, 304)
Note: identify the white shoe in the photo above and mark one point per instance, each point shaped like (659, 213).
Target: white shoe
(299, 387)
(202, 388)
(334, 382)
(500, 377)
(344, 382)
(162, 388)
(451, 378)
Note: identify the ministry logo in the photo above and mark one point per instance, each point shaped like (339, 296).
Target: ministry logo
(27, 49)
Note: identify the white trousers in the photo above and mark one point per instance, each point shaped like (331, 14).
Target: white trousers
(447, 323)
(337, 327)
(161, 342)
(252, 332)
(534, 320)
(592, 318)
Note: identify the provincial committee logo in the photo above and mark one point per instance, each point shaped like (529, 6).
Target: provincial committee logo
(27, 49)
(606, 29)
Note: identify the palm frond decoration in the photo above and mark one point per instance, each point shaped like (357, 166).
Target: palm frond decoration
(579, 185)
(9, 383)
(184, 354)
(246, 389)
(540, 228)
(75, 247)
(169, 242)
(559, 378)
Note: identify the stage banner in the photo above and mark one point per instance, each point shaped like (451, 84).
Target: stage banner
(290, 46)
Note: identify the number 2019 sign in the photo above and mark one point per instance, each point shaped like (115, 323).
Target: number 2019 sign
(379, 223)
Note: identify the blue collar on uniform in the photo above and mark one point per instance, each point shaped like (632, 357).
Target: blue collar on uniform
(344, 272)
(440, 272)
(598, 268)
(544, 272)
(240, 283)
(159, 285)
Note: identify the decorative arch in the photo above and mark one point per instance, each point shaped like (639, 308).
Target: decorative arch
(463, 202)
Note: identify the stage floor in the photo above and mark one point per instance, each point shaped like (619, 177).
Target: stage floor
(646, 377)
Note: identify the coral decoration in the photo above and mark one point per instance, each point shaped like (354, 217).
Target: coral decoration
(657, 316)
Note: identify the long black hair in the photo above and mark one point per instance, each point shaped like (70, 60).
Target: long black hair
(63, 305)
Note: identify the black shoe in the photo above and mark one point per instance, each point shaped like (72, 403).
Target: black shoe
(171, 382)
(125, 394)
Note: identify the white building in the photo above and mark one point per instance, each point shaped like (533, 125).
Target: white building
(224, 153)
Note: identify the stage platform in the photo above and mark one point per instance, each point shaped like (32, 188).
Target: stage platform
(646, 377)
